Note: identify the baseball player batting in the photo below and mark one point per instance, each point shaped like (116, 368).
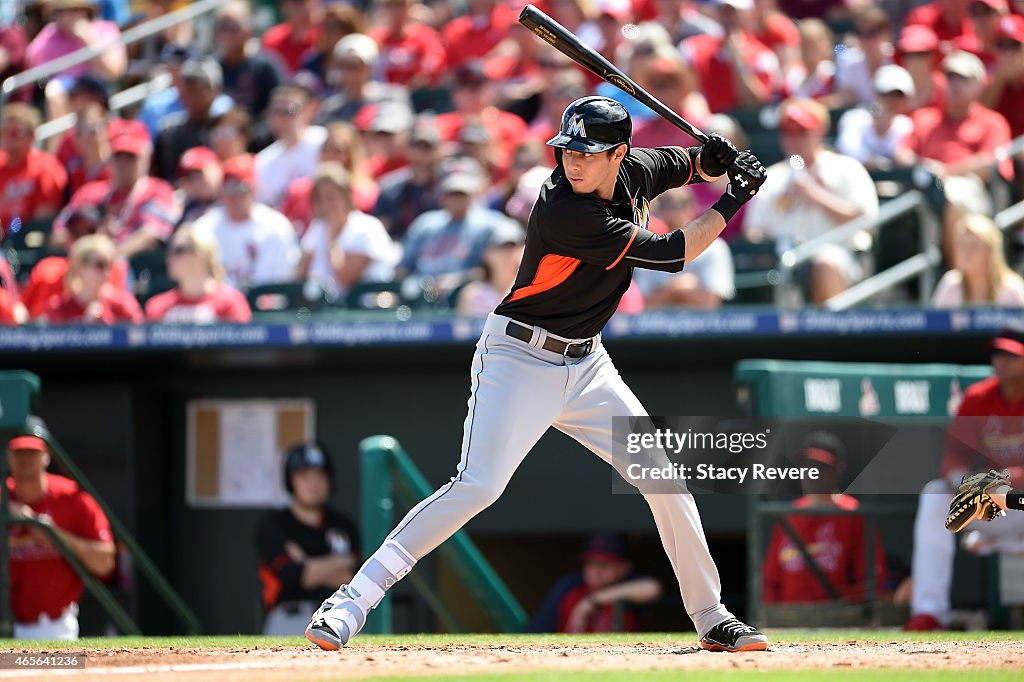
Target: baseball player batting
(540, 361)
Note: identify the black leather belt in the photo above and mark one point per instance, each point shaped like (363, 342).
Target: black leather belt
(569, 350)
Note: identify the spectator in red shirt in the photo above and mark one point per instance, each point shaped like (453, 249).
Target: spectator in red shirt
(585, 601)
(139, 211)
(412, 54)
(85, 93)
(201, 297)
(835, 543)
(918, 52)
(12, 311)
(90, 139)
(44, 588)
(681, 18)
(735, 70)
(1006, 92)
(479, 31)
(88, 297)
(46, 280)
(12, 57)
(32, 182)
(200, 179)
(385, 132)
(987, 426)
(814, 77)
(946, 18)
(474, 99)
(778, 32)
(985, 16)
(297, 35)
(957, 142)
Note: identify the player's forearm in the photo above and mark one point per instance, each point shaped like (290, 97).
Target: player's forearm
(327, 571)
(701, 232)
(96, 555)
(1011, 499)
(639, 591)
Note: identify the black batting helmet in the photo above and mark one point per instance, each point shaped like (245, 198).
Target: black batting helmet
(306, 456)
(593, 124)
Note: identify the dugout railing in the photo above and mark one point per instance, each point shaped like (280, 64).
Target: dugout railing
(775, 388)
(18, 392)
(389, 475)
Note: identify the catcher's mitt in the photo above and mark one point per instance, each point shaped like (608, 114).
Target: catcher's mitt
(972, 501)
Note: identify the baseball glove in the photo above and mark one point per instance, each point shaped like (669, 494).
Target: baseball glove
(972, 501)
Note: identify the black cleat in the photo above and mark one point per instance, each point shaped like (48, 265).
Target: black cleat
(733, 635)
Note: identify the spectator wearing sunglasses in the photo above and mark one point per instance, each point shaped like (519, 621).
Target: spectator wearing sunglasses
(88, 297)
(248, 78)
(138, 211)
(296, 148)
(47, 278)
(201, 296)
(90, 160)
(32, 182)
(353, 64)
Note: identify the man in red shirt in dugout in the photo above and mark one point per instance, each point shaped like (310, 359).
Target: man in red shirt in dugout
(44, 587)
(987, 433)
(836, 542)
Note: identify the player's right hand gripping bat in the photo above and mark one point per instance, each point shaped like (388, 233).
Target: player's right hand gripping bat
(563, 40)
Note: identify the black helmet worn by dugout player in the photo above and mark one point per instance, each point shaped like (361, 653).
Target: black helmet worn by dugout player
(593, 124)
(306, 456)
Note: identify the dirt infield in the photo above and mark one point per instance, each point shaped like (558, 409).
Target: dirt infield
(273, 664)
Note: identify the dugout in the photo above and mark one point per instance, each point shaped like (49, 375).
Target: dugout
(890, 417)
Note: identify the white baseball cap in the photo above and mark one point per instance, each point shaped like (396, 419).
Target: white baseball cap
(360, 45)
(894, 78)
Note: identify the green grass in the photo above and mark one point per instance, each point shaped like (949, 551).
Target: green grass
(248, 641)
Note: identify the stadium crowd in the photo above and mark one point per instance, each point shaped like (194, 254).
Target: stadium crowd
(345, 149)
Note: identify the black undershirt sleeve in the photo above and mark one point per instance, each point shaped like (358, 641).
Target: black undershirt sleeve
(1015, 500)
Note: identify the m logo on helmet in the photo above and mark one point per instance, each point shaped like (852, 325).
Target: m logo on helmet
(575, 126)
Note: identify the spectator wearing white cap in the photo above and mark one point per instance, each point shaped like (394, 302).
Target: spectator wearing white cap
(873, 135)
(295, 151)
(353, 67)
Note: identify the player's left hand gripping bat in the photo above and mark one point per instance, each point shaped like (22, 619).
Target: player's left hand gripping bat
(563, 40)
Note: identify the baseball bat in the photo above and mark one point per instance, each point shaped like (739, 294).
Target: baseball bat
(563, 40)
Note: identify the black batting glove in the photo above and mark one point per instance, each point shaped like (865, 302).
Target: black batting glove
(746, 175)
(716, 156)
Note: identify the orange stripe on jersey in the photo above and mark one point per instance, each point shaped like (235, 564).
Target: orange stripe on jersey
(622, 255)
(551, 271)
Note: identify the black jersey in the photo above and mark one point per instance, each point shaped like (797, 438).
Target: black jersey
(279, 573)
(581, 250)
